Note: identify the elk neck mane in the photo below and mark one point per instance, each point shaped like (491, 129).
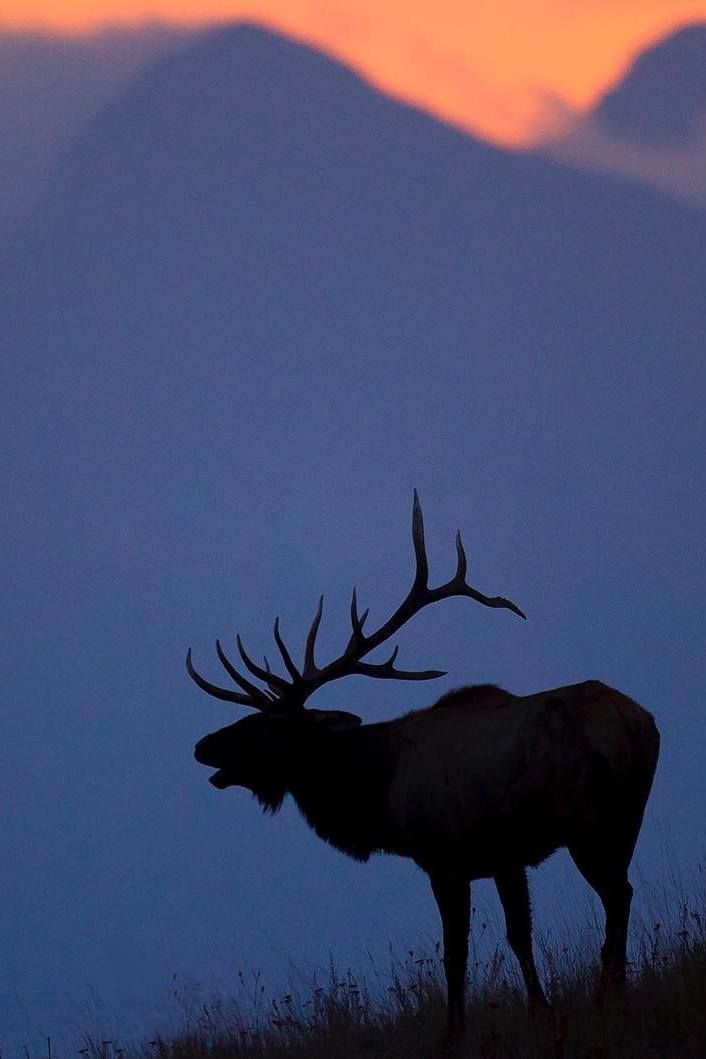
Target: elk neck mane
(355, 768)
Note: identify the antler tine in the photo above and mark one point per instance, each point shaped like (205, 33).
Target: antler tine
(252, 689)
(458, 586)
(493, 601)
(462, 563)
(386, 670)
(273, 680)
(371, 669)
(357, 622)
(271, 694)
(258, 699)
(310, 667)
(421, 577)
(286, 657)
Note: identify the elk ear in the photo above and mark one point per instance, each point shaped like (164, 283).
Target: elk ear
(334, 720)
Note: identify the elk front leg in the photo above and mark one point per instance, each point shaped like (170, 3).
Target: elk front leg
(514, 897)
(453, 896)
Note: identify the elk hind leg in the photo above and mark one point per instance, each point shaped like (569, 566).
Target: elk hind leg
(606, 870)
(453, 896)
(514, 897)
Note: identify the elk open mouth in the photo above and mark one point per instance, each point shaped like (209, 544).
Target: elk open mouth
(221, 779)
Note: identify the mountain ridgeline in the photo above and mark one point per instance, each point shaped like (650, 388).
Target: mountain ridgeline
(252, 236)
(661, 101)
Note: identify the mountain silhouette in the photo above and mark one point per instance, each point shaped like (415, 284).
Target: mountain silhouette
(661, 101)
(250, 214)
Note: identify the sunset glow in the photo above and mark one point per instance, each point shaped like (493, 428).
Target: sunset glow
(510, 70)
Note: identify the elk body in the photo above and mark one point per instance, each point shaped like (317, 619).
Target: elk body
(479, 785)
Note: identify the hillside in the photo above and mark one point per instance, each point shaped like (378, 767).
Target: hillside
(401, 1013)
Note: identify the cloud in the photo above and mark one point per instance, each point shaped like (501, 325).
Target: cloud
(677, 171)
(651, 125)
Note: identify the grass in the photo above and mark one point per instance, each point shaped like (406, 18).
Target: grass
(400, 1015)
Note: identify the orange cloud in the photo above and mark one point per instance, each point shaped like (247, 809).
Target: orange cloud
(508, 70)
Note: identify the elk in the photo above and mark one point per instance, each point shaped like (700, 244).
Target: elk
(482, 784)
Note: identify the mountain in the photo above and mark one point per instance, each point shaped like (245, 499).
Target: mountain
(661, 101)
(251, 204)
(260, 303)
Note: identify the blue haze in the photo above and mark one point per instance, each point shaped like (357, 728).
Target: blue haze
(259, 304)
(50, 85)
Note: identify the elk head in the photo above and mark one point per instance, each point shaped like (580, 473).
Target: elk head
(259, 751)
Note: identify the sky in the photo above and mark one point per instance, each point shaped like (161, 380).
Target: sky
(511, 71)
(258, 304)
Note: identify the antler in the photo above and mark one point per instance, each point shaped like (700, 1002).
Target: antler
(292, 694)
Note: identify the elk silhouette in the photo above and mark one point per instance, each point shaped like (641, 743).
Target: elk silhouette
(479, 785)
